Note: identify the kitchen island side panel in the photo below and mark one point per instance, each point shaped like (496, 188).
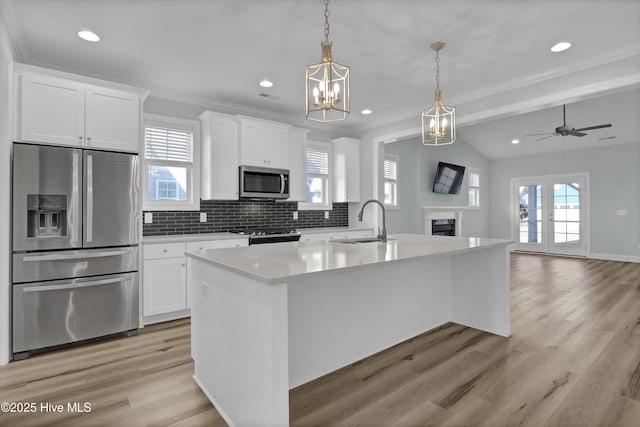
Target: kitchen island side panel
(338, 319)
(239, 339)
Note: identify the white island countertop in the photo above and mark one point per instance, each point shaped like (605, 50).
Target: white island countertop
(282, 262)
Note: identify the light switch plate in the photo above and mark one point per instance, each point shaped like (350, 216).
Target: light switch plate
(203, 217)
(148, 217)
(326, 214)
(295, 214)
(205, 289)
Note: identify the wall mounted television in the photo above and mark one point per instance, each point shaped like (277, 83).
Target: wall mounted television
(448, 178)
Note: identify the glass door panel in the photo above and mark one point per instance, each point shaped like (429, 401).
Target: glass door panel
(550, 215)
(567, 219)
(531, 206)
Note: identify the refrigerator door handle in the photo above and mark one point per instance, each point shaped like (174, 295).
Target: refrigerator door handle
(64, 257)
(75, 198)
(75, 285)
(89, 230)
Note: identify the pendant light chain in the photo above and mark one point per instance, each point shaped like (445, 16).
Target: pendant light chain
(326, 21)
(438, 70)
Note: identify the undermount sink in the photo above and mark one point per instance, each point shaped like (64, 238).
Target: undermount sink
(359, 240)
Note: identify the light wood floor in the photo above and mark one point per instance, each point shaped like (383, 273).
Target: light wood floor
(573, 360)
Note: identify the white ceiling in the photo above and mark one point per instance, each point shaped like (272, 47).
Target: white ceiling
(214, 52)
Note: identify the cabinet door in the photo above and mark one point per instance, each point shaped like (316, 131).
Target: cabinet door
(278, 147)
(346, 170)
(164, 286)
(253, 143)
(219, 158)
(52, 110)
(297, 184)
(112, 119)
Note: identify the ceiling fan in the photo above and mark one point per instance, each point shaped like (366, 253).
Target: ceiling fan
(566, 129)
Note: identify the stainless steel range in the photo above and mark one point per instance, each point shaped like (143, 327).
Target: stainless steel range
(272, 235)
(75, 246)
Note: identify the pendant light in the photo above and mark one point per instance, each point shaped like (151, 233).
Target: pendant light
(439, 121)
(328, 97)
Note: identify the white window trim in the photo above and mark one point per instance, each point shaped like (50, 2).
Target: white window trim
(395, 158)
(305, 206)
(479, 187)
(193, 179)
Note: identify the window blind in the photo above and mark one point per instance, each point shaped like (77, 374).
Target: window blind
(390, 169)
(168, 144)
(317, 161)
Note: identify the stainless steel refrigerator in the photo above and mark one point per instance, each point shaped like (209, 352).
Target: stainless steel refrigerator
(75, 245)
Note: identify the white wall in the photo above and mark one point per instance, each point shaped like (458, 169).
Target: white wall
(417, 169)
(615, 184)
(6, 82)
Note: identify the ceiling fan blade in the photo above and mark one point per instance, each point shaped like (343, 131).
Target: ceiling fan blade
(536, 134)
(546, 137)
(575, 133)
(608, 125)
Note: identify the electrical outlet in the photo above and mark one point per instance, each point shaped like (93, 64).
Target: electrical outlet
(295, 214)
(622, 212)
(203, 217)
(148, 217)
(205, 289)
(326, 214)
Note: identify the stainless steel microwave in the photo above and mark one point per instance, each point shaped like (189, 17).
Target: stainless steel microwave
(263, 183)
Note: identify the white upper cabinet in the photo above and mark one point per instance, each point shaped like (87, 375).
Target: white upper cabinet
(112, 119)
(58, 111)
(219, 169)
(51, 110)
(297, 184)
(264, 143)
(346, 170)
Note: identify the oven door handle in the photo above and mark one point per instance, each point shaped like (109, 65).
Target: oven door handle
(64, 257)
(282, 182)
(75, 285)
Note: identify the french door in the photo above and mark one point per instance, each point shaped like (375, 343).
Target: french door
(550, 214)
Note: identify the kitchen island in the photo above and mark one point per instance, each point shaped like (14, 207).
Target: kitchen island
(268, 318)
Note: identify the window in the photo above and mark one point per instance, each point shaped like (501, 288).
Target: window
(474, 187)
(391, 180)
(317, 167)
(171, 175)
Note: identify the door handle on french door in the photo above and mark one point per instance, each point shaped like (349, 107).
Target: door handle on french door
(76, 217)
(89, 196)
(75, 285)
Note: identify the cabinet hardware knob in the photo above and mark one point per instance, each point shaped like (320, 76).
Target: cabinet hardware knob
(88, 138)
(164, 250)
(80, 138)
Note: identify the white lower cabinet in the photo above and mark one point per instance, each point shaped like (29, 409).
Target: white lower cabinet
(166, 292)
(164, 283)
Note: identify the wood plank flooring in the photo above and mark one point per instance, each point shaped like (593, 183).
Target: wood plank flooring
(573, 360)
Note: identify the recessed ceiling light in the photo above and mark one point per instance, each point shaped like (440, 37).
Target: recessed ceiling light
(561, 46)
(515, 141)
(266, 83)
(89, 36)
(366, 111)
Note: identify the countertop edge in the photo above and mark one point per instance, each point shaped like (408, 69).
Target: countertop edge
(271, 280)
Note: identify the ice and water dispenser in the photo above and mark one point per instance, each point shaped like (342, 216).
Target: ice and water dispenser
(47, 215)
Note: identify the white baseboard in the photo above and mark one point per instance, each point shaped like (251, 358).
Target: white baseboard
(608, 257)
(224, 416)
(615, 257)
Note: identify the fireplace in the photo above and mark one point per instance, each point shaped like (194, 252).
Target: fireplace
(442, 221)
(443, 227)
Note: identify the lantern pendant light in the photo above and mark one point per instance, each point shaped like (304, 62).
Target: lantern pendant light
(439, 121)
(328, 98)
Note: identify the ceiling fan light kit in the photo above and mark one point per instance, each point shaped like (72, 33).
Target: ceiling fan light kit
(327, 93)
(439, 121)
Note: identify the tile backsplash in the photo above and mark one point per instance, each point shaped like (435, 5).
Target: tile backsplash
(243, 214)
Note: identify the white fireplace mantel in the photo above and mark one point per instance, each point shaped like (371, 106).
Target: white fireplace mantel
(431, 213)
